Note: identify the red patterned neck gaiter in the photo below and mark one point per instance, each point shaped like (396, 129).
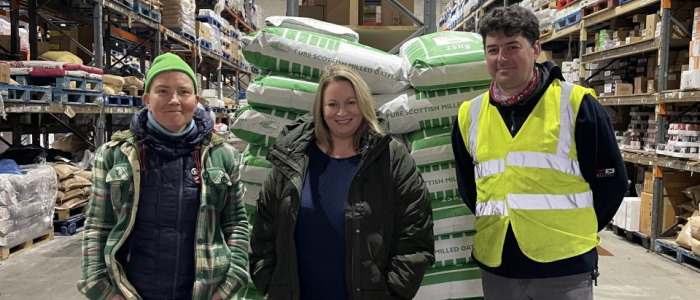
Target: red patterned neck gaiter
(506, 100)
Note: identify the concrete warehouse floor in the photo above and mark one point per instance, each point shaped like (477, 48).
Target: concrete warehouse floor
(50, 270)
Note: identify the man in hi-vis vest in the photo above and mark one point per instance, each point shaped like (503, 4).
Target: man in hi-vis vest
(538, 164)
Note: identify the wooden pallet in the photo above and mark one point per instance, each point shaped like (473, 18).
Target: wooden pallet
(633, 236)
(546, 31)
(77, 97)
(567, 21)
(8, 252)
(63, 82)
(598, 7)
(204, 44)
(25, 93)
(62, 214)
(147, 12)
(668, 248)
(122, 100)
(564, 3)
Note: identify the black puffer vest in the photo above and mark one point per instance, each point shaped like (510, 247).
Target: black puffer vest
(159, 255)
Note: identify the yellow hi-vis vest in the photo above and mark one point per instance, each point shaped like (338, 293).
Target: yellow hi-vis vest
(532, 181)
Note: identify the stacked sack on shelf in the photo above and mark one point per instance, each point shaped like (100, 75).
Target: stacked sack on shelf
(419, 93)
(74, 186)
(179, 16)
(445, 69)
(26, 204)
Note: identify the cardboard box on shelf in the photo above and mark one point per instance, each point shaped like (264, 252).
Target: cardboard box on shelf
(393, 17)
(632, 39)
(651, 86)
(674, 182)
(650, 28)
(317, 12)
(640, 85)
(622, 89)
(632, 213)
(669, 213)
(343, 12)
(639, 18)
(4, 73)
(694, 63)
(690, 79)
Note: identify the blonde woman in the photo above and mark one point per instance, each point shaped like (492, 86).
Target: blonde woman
(344, 213)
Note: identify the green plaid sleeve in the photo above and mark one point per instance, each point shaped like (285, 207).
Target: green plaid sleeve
(95, 282)
(234, 223)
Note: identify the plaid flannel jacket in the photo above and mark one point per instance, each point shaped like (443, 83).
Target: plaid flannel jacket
(222, 241)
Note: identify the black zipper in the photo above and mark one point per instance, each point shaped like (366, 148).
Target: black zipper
(512, 124)
(179, 216)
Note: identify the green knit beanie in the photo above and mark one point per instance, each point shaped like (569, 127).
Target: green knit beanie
(169, 62)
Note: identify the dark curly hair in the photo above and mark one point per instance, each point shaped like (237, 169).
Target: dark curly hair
(511, 20)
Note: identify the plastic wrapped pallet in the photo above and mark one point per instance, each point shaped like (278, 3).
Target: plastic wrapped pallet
(26, 204)
(291, 92)
(261, 125)
(179, 15)
(297, 51)
(313, 25)
(444, 60)
(412, 110)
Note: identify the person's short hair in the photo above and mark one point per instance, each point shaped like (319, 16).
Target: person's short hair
(365, 103)
(511, 20)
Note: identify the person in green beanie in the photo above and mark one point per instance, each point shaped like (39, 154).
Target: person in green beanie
(165, 219)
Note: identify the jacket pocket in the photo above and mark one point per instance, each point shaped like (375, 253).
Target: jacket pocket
(121, 185)
(218, 184)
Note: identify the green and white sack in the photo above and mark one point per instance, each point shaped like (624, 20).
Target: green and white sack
(412, 110)
(290, 92)
(440, 179)
(260, 125)
(254, 165)
(450, 214)
(313, 25)
(453, 249)
(250, 198)
(303, 52)
(456, 282)
(444, 60)
(431, 146)
(249, 293)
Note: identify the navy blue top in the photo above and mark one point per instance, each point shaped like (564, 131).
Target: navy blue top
(601, 166)
(320, 229)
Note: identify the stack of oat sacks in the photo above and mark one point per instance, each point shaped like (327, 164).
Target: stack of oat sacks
(179, 15)
(26, 204)
(445, 69)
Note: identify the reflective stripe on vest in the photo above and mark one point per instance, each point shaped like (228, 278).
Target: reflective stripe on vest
(534, 202)
(491, 208)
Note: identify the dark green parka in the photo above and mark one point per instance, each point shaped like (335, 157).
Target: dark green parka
(388, 220)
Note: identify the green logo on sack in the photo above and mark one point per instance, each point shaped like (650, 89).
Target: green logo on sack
(269, 125)
(279, 47)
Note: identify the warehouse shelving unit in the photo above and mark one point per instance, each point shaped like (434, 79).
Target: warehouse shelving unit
(661, 45)
(112, 20)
